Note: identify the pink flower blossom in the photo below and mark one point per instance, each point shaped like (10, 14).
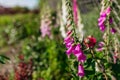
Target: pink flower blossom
(108, 10)
(103, 16)
(81, 72)
(115, 56)
(68, 41)
(77, 49)
(70, 50)
(75, 11)
(111, 20)
(79, 53)
(80, 56)
(45, 28)
(101, 46)
(113, 31)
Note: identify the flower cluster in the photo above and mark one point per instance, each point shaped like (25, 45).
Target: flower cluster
(103, 17)
(77, 52)
(3, 77)
(90, 42)
(78, 20)
(24, 70)
(101, 46)
(75, 11)
(45, 28)
(71, 41)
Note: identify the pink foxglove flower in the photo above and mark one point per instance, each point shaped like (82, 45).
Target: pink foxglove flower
(45, 28)
(75, 11)
(115, 56)
(80, 56)
(113, 31)
(68, 41)
(81, 72)
(102, 19)
(101, 46)
(79, 53)
(111, 20)
(108, 10)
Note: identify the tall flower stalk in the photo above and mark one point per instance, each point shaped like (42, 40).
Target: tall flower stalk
(78, 20)
(110, 43)
(71, 41)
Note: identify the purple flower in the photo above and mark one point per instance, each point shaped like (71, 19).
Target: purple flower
(81, 57)
(77, 49)
(70, 50)
(79, 53)
(103, 16)
(69, 45)
(102, 27)
(115, 57)
(113, 31)
(101, 21)
(45, 28)
(81, 72)
(100, 49)
(75, 11)
(101, 46)
(111, 20)
(108, 10)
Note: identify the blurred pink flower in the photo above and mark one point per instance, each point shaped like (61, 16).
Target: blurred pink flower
(68, 41)
(101, 46)
(75, 11)
(113, 31)
(111, 20)
(103, 16)
(81, 72)
(45, 28)
(115, 56)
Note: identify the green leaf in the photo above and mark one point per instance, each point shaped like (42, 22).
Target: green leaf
(3, 59)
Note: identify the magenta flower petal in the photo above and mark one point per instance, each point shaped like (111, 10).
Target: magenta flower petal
(68, 44)
(113, 31)
(100, 49)
(101, 44)
(67, 39)
(77, 49)
(108, 10)
(102, 27)
(69, 51)
(101, 21)
(82, 58)
(75, 11)
(115, 59)
(111, 20)
(81, 72)
(103, 14)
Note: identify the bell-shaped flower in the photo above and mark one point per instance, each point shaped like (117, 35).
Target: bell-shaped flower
(81, 72)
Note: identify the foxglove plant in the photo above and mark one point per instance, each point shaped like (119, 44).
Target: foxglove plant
(45, 27)
(63, 19)
(106, 22)
(77, 47)
(71, 41)
(78, 20)
(109, 46)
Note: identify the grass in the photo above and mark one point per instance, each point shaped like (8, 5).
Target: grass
(91, 25)
(9, 22)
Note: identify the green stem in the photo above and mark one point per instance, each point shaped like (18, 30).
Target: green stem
(99, 64)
